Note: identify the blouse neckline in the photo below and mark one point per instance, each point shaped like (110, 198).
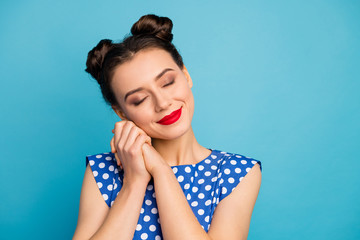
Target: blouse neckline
(195, 164)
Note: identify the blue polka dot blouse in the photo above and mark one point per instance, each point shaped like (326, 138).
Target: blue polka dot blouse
(204, 185)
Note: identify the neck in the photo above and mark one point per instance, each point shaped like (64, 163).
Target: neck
(182, 150)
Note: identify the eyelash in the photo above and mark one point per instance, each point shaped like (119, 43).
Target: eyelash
(168, 84)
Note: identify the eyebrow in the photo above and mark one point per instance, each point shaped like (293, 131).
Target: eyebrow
(141, 88)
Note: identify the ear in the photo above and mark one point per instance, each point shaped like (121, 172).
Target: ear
(119, 112)
(187, 75)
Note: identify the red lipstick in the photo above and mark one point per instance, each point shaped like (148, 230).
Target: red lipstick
(171, 118)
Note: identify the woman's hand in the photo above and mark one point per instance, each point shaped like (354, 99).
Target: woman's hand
(127, 146)
(152, 158)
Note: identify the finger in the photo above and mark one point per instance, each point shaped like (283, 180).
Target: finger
(124, 134)
(112, 145)
(117, 131)
(140, 140)
(133, 133)
(118, 162)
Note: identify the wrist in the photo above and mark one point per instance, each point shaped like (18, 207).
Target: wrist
(160, 169)
(136, 183)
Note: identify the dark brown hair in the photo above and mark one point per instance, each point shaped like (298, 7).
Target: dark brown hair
(150, 31)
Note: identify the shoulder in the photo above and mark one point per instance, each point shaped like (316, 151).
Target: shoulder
(233, 168)
(106, 174)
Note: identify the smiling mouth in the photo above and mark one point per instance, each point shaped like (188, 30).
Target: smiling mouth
(171, 118)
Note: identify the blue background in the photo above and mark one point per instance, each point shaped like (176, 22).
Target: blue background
(274, 80)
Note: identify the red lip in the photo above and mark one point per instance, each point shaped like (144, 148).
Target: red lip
(171, 118)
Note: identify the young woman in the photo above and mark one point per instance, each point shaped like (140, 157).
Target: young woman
(158, 182)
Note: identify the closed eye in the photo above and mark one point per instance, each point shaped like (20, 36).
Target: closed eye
(169, 83)
(138, 103)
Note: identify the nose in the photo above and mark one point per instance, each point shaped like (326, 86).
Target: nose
(162, 101)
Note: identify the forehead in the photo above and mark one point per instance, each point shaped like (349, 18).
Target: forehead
(141, 69)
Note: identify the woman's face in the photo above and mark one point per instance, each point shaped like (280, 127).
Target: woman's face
(151, 86)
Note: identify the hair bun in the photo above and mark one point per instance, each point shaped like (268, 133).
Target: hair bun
(153, 25)
(96, 58)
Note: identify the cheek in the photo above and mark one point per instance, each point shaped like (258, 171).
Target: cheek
(140, 117)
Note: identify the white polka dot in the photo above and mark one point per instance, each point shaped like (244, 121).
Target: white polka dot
(201, 212)
(142, 210)
(201, 181)
(207, 161)
(192, 179)
(105, 176)
(180, 178)
(188, 197)
(217, 200)
(233, 162)
(208, 202)
(144, 236)
(241, 179)
(231, 180)
(98, 156)
(105, 196)
(243, 162)
(207, 219)
(148, 202)
(110, 187)
(146, 218)
(213, 156)
(237, 170)
(158, 220)
(223, 162)
(201, 167)
(150, 187)
(217, 191)
(154, 195)
(196, 174)
(227, 171)
(115, 186)
(223, 190)
(254, 162)
(207, 173)
(112, 202)
(238, 156)
(99, 184)
(212, 193)
(108, 158)
(248, 169)
(188, 169)
(111, 168)
(213, 167)
(154, 211)
(219, 175)
(207, 187)
(214, 179)
(101, 165)
(95, 173)
(138, 227)
(194, 203)
(116, 171)
(186, 186)
(214, 200)
(91, 162)
(201, 196)
(195, 189)
(152, 228)
(157, 237)
(175, 169)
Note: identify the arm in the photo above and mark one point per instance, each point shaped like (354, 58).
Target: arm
(97, 221)
(231, 219)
